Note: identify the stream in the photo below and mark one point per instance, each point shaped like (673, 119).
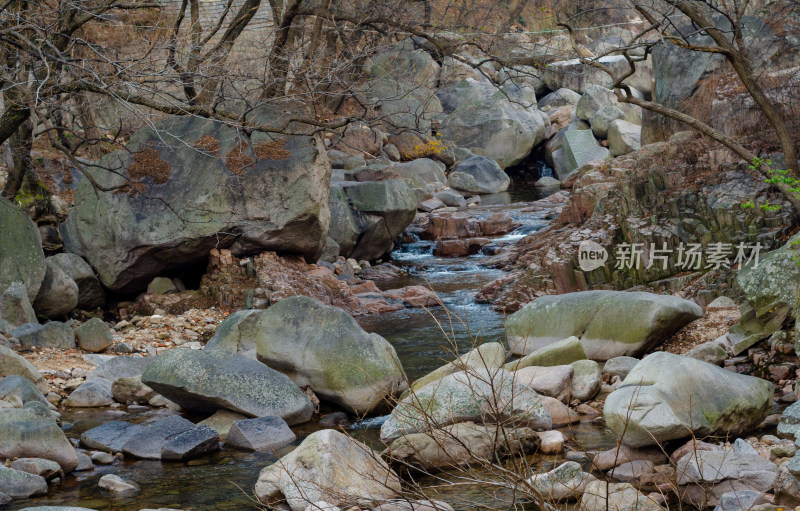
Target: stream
(424, 340)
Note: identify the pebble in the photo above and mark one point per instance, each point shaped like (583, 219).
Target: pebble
(102, 458)
(115, 484)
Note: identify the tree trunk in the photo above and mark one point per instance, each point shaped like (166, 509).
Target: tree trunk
(21, 143)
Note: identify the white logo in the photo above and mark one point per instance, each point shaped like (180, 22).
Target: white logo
(591, 255)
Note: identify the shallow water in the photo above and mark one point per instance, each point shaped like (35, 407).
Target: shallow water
(424, 340)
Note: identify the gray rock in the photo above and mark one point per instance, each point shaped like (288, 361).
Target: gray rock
(91, 294)
(428, 171)
(451, 198)
(274, 204)
(721, 302)
(193, 443)
(554, 381)
(84, 463)
(148, 442)
(331, 466)
(261, 434)
(238, 333)
(480, 175)
(667, 397)
(57, 295)
(161, 286)
(121, 367)
(324, 347)
(209, 380)
(623, 454)
(221, 422)
(603, 496)
(593, 100)
(738, 500)
(467, 396)
(367, 217)
(578, 148)
(131, 391)
(20, 250)
(92, 393)
(567, 481)
(620, 366)
(21, 485)
(110, 436)
(561, 97)
(31, 437)
(94, 335)
(602, 119)
(484, 118)
(115, 484)
(103, 458)
(789, 423)
(21, 389)
(716, 466)
(624, 137)
(48, 469)
(562, 352)
(586, 379)
(631, 470)
(547, 182)
(15, 307)
(52, 334)
(13, 364)
(710, 352)
(609, 323)
(579, 77)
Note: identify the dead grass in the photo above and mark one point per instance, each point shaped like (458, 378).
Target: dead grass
(272, 150)
(237, 161)
(713, 324)
(208, 144)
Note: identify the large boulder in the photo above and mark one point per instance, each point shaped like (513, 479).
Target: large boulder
(15, 307)
(578, 147)
(367, 217)
(567, 481)
(477, 395)
(603, 496)
(93, 393)
(209, 380)
(264, 434)
(323, 347)
(58, 293)
(490, 355)
(238, 333)
(460, 445)
(608, 323)
(21, 485)
(667, 397)
(13, 364)
(624, 137)
(186, 185)
(678, 72)
(328, 466)
(52, 334)
(94, 335)
(502, 129)
(773, 282)
(478, 175)
(90, 292)
(25, 434)
(20, 250)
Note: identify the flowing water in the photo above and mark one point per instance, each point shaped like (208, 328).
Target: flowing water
(424, 340)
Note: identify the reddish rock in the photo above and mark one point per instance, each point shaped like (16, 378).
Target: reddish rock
(456, 248)
(460, 225)
(414, 296)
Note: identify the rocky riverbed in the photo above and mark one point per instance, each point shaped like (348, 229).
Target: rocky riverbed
(380, 319)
